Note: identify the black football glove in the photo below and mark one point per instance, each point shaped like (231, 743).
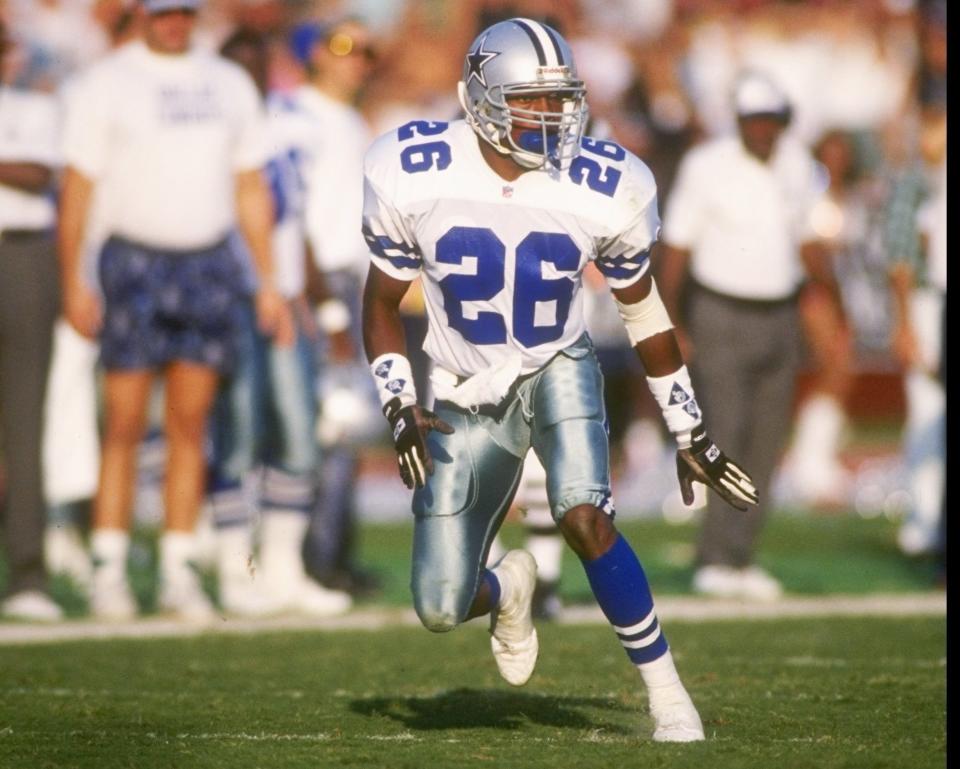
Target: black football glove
(705, 463)
(410, 426)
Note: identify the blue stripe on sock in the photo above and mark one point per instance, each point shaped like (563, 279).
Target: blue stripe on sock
(623, 593)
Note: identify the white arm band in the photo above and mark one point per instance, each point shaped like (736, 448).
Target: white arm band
(646, 317)
(394, 379)
(674, 393)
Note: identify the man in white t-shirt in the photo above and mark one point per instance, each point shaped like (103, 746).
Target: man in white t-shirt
(29, 122)
(738, 221)
(172, 141)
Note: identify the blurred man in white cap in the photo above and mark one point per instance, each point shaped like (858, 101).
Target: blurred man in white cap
(172, 140)
(738, 247)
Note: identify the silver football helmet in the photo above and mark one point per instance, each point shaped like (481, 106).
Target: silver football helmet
(516, 58)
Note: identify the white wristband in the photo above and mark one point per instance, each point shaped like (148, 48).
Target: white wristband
(674, 393)
(394, 379)
(333, 316)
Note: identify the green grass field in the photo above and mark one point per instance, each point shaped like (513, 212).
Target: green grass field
(864, 693)
(856, 693)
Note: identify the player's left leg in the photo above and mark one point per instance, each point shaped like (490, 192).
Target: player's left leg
(570, 438)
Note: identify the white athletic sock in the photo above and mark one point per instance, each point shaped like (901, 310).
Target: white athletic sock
(819, 428)
(662, 681)
(281, 540)
(235, 553)
(177, 550)
(109, 549)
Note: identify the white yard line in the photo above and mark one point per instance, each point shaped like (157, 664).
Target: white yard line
(686, 609)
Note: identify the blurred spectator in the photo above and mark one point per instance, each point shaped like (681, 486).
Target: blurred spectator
(918, 277)
(29, 124)
(71, 441)
(266, 408)
(915, 230)
(844, 220)
(738, 219)
(419, 86)
(338, 56)
(172, 139)
(828, 58)
(63, 36)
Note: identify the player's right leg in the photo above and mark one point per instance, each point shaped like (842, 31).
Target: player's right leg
(456, 518)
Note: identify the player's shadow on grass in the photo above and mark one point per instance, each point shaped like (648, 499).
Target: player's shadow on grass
(475, 708)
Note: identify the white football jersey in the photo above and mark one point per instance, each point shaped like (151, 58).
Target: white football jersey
(292, 137)
(501, 262)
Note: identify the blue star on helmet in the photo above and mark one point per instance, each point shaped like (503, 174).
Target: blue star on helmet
(476, 61)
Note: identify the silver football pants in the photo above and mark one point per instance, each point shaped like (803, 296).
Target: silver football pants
(558, 411)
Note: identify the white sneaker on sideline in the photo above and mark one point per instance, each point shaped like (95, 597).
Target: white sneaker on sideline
(31, 606)
(749, 584)
(676, 721)
(717, 581)
(315, 600)
(246, 598)
(513, 638)
(182, 595)
(111, 598)
(759, 585)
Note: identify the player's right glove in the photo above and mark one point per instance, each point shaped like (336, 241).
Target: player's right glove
(702, 461)
(410, 426)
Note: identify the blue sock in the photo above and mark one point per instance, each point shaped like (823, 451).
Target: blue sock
(491, 579)
(621, 589)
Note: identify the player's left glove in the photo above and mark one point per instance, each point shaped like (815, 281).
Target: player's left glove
(410, 426)
(702, 461)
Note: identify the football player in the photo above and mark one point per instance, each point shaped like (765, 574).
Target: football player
(498, 215)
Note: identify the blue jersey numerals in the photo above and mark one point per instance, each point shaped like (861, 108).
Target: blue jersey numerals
(484, 246)
(599, 178)
(530, 286)
(423, 156)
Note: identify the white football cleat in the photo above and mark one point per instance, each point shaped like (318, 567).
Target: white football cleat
(676, 722)
(513, 638)
(31, 606)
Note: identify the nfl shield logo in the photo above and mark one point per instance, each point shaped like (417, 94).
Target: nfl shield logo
(507, 191)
